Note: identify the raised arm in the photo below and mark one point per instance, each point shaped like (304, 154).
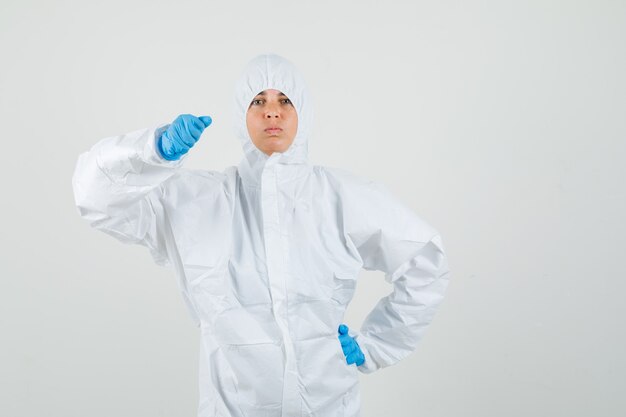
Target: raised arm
(118, 183)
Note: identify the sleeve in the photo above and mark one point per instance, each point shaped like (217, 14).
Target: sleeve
(391, 238)
(117, 188)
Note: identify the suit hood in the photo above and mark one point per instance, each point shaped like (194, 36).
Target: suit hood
(272, 71)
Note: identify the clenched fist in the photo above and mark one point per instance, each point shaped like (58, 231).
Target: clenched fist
(181, 135)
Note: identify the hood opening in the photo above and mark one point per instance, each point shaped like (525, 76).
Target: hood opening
(272, 71)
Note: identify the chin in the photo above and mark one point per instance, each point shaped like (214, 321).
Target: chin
(280, 150)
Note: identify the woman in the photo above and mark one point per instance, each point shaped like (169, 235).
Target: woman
(268, 252)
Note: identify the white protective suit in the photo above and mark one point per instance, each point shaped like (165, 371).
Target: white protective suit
(267, 254)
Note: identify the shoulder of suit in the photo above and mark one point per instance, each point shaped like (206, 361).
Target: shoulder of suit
(342, 177)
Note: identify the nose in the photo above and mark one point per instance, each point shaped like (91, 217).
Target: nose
(272, 111)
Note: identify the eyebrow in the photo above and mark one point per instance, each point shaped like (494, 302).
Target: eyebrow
(262, 93)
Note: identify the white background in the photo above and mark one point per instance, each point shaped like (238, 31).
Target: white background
(501, 123)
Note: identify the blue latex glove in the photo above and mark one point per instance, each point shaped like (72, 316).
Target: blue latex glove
(181, 135)
(350, 347)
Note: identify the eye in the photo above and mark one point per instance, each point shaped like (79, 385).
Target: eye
(259, 100)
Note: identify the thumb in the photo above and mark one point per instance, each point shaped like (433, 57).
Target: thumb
(206, 120)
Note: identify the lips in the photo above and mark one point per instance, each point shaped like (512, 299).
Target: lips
(273, 130)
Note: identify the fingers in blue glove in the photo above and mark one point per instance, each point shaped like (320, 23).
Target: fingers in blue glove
(197, 125)
(193, 136)
(181, 135)
(206, 120)
(180, 131)
(356, 358)
(350, 347)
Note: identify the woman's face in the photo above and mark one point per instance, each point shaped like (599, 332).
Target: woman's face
(272, 109)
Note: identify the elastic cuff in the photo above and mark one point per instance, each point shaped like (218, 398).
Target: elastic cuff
(368, 366)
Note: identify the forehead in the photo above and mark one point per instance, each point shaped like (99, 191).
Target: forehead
(271, 92)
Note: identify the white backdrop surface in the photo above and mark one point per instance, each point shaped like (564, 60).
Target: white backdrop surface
(502, 123)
